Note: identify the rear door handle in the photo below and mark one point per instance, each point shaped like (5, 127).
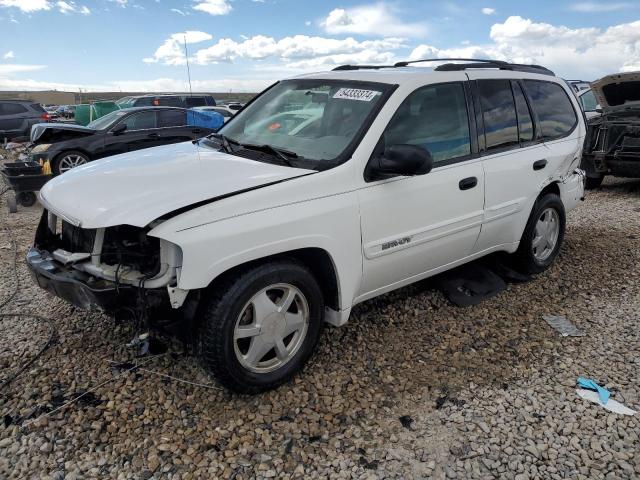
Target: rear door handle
(467, 183)
(153, 135)
(539, 164)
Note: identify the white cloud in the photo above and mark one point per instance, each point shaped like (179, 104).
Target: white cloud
(27, 6)
(591, 7)
(71, 7)
(294, 49)
(7, 69)
(213, 7)
(9, 55)
(488, 11)
(378, 19)
(120, 3)
(171, 52)
(178, 11)
(581, 52)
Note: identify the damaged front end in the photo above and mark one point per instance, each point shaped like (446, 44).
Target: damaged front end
(120, 270)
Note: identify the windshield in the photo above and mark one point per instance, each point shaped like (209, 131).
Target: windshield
(107, 121)
(312, 119)
(588, 101)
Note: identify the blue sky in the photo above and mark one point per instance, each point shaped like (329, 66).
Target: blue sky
(243, 45)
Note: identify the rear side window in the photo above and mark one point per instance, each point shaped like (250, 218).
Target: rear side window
(169, 101)
(435, 118)
(553, 108)
(171, 118)
(498, 113)
(38, 108)
(525, 122)
(143, 102)
(195, 102)
(210, 101)
(10, 108)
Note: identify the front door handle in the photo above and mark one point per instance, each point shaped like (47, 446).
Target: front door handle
(153, 135)
(467, 183)
(539, 164)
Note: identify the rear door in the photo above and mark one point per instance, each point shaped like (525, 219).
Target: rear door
(13, 117)
(173, 128)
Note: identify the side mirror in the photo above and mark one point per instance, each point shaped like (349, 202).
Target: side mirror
(399, 160)
(118, 129)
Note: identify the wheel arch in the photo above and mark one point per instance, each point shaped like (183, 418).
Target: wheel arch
(317, 260)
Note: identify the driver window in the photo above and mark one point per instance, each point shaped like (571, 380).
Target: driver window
(435, 118)
(141, 121)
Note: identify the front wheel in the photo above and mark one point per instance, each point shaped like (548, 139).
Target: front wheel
(543, 235)
(68, 160)
(261, 326)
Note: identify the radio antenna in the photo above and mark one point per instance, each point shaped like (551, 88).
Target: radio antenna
(186, 55)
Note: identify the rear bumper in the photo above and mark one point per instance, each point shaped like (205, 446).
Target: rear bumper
(77, 287)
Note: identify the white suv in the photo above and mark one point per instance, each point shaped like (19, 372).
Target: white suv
(325, 191)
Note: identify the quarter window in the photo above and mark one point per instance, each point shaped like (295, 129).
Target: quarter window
(551, 104)
(434, 118)
(525, 123)
(588, 101)
(498, 113)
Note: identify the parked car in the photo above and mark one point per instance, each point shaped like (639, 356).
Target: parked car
(589, 103)
(612, 146)
(17, 117)
(223, 110)
(168, 100)
(52, 110)
(251, 238)
(66, 111)
(67, 146)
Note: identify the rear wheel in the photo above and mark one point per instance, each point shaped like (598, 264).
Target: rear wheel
(26, 199)
(261, 326)
(543, 235)
(68, 160)
(593, 182)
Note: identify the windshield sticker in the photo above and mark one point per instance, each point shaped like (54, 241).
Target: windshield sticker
(356, 94)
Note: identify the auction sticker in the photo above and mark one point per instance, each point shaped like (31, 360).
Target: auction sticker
(356, 94)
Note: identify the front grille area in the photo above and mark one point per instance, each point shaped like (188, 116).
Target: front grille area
(77, 240)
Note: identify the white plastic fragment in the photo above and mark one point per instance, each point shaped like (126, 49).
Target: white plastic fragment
(611, 405)
(562, 325)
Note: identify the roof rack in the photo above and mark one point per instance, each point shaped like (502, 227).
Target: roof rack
(362, 67)
(451, 67)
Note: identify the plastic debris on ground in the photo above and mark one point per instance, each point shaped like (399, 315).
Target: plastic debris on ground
(562, 325)
(588, 384)
(612, 405)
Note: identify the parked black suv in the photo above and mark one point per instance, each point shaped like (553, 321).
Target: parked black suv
(170, 100)
(17, 117)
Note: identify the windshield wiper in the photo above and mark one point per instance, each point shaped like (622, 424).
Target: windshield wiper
(284, 155)
(225, 142)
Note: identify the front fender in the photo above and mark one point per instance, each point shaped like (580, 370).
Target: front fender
(331, 224)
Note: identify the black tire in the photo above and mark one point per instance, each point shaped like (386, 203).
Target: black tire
(592, 183)
(58, 159)
(26, 199)
(221, 312)
(525, 260)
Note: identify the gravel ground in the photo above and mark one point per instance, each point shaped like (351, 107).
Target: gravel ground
(411, 387)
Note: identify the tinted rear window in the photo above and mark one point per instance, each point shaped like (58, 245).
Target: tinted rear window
(11, 108)
(195, 102)
(525, 123)
(171, 118)
(499, 113)
(552, 106)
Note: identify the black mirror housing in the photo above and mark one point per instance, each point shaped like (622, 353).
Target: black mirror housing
(399, 160)
(118, 129)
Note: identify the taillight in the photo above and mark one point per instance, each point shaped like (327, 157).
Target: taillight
(45, 116)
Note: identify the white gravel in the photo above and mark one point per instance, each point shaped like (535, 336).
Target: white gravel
(483, 392)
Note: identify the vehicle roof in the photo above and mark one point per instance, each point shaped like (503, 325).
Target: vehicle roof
(150, 107)
(170, 95)
(16, 100)
(400, 75)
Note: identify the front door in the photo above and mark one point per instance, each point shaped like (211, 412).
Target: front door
(414, 225)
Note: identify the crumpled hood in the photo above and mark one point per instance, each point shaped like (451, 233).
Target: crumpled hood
(620, 91)
(138, 187)
(56, 132)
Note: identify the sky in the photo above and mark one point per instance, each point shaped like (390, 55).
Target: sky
(245, 45)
